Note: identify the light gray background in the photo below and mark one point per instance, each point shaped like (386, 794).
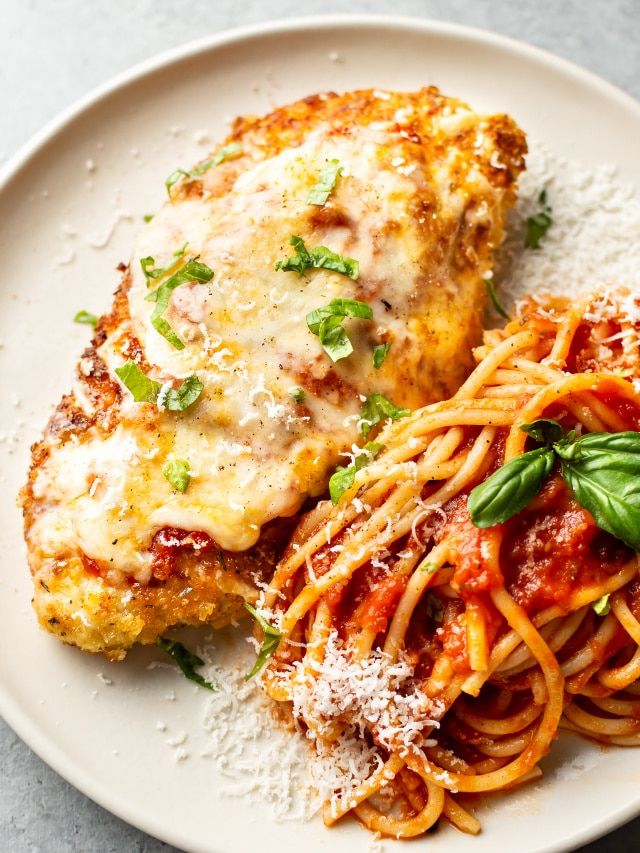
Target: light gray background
(52, 53)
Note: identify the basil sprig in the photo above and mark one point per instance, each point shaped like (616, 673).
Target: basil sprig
(326, 182)
(538, 225)
(186, 660)
(193, 270)
(146, 390)
(601, 469)
(177, 473)
(227, 152)
(318, 258)
(377, 408)
(269, 645)
(344, 477)
(326, 323)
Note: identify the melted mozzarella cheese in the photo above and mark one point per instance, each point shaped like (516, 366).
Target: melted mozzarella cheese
(254, 454)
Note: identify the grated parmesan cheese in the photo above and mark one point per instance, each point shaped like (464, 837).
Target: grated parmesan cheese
(594, 239)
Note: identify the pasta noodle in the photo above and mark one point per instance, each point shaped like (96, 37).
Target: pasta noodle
(435, 659)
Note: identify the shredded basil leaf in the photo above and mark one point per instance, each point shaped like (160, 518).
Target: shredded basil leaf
(141, 388)
(380, 352)
(326, 182)
(147, 217)
(297, 394)
(602, 606)
(227, 152)
(326, 323)
(491, 290)
(86, 318)
(152, 272)
(177, 473)
(538, 225)
(344, 477)
(270, 642)
(179, 399)
(185, 659)
(193, 270)
(145, 390)
(376, 408)
(318, 258)
(430, 568)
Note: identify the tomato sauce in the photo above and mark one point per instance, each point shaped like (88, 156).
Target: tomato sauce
(553, 548)
(169, 542)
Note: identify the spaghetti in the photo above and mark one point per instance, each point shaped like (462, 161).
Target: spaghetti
(427, 659)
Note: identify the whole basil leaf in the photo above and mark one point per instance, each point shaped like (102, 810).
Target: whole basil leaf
(603, 472)
(543, 430)
(509, 489)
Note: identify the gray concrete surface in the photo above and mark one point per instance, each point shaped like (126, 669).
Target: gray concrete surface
(53, 52)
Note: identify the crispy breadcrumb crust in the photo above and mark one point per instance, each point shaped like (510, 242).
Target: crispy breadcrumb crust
(82, 608)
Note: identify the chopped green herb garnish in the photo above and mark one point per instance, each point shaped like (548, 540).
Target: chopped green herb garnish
(602, 606)
(269, 645)
(538, 225)
(297, 394)
(147, 217)
(152, 272)
(177, 473)
(145, 390)
(380, 352)
(86, 318)
(193, 270)
(491, 290)
(430, 568)
(326, 182)
(227, 152)
(377, 408)
(344, 477)
(326, 323)
(318, 258)
(185, 659)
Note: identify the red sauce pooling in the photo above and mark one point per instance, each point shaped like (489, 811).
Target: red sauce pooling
(169, 542)
(554, 547)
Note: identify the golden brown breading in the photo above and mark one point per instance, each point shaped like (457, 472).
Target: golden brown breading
(116, 553)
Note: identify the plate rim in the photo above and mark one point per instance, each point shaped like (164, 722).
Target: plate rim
(10, 708)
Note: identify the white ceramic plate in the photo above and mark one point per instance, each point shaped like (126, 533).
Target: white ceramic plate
(69, 206)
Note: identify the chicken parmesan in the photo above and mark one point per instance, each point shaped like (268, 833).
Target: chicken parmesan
(324, 268)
